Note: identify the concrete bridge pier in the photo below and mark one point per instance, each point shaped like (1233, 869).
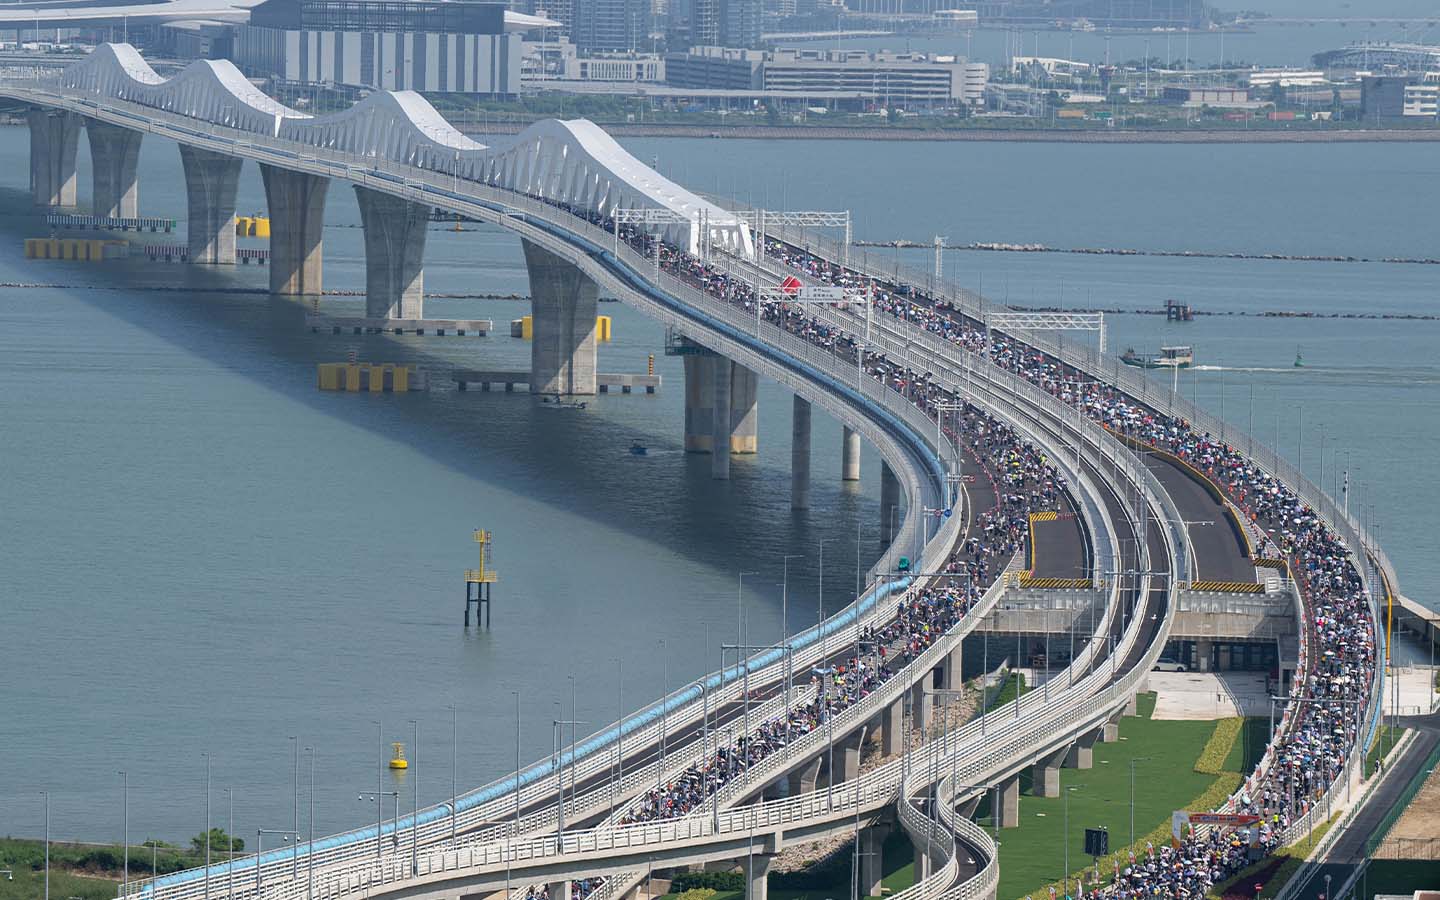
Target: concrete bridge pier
(922, 863)
(922, 705)
(757, 874)
(892, 728)
(802, 779)
(54, 138)
(699, 401)
(562, 305)
(849, 455)
(1110, 731)
(849, 760)
(889, 504)
(297, 221)
(1008, 809)
(800, 454)
(952, 676)
(872, 858)
(720, 431)
(114, 156)
(1081, 754)
(211, 180)
(1045, 774)
(744, 409)
(394, 255)
(558, 890)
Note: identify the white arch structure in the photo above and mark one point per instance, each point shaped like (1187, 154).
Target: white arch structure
(573, 163)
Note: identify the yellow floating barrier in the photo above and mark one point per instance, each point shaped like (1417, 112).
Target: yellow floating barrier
(368, 377)
(602, 328)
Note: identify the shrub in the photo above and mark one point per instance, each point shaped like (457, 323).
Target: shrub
(1217, 749)
(698, 894)
(713, 881)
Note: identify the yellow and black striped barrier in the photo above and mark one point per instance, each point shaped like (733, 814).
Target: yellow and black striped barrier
(1228, 587)
(1026, 581)
(1048, 515)
(1266, 562)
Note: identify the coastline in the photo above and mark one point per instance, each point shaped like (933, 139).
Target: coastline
(1016, 135)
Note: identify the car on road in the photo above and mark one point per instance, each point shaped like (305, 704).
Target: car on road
(1169, 664)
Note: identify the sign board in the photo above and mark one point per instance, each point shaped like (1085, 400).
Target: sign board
(1097, 842)
(791, 285)
(822, 293)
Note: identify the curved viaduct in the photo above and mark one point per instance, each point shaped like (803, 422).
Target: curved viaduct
(590, 217)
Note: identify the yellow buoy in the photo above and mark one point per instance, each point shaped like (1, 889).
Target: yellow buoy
(397, 759)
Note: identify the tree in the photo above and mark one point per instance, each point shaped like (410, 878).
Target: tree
(219, 840)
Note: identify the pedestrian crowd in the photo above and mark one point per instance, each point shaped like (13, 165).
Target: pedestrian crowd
(1318, 733)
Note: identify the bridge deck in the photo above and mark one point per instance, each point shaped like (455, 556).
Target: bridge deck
(1221, 553)
(1061, 548)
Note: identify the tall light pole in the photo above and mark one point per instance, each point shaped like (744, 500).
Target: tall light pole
(310, 850)
(1132, 796)
(415, 796)
(230, 849)
(294, 804)
(517, 761)
(206, 754)
(46, 795)
(125, 829)
(379, 789)
(559, 725)
(454, 791)
(1065, 838)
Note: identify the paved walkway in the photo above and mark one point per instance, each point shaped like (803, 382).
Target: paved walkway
(1209, 695)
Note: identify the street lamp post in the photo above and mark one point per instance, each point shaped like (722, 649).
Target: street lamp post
(559, 725)
(260, 848)
(1065, 837)
(230, 850)
(1132, 795)
(46, 795)
(207, 827)
(295, 804)
(125, 829)
(415, 797)
(310, 850)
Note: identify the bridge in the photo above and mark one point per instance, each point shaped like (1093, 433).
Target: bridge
(1160, 519)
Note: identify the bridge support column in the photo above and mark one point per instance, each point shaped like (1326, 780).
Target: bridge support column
(211, 180)
(922, 705)
(802, 780)
(952, 673)
(114, 155)
(1045, 774)
(872, 859)
(562, 303)
(1132, 705)
(719, 437)
(1081, 754)
(849, 759)
(966, 808)
(744, 427)
(394, 255)
(1203, 651)
(297, 221)
(892, 725)
(850, 455)
(1008, 809)
(699, 402)
(1110, 731)
(558, 890)
(54, 138)
(922, 863)
(757, 875)
(800, 454)
(889, 504)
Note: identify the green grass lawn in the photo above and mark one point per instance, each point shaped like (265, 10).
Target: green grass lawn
(30, 885)
(1032, 855)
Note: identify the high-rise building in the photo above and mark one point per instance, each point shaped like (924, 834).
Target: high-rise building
(740, 22)
(609, 26)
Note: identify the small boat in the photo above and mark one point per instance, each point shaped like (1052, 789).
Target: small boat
(638, 449)
(1168, 358)
(559, 402)
(1299, 360)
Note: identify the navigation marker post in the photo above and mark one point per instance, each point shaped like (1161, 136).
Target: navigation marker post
(481, 579)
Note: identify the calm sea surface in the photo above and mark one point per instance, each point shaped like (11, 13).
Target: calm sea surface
(202, 552)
